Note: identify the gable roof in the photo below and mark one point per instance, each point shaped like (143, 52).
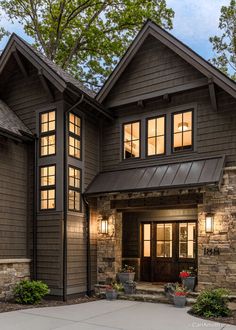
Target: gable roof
(151, 28)
(10, 122)
(52, 71)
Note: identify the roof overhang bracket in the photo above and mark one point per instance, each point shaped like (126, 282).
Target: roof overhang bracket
(45, 85)
(212, 93)
(19, 62)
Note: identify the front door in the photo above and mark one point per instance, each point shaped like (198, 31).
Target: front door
(167, 248)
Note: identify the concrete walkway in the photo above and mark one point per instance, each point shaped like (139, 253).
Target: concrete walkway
(104, 315)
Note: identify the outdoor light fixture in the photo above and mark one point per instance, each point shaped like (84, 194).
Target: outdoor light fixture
(209, 223)
(183, 126)
(104, 226)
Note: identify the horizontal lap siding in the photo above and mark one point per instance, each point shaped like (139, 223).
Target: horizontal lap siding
(13, 199)
(153, 68)
(216, 131)
(49, 248)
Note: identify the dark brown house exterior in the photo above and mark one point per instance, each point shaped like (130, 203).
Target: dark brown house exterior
(143, 173)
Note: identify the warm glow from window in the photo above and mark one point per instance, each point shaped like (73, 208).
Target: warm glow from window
(132, 140)
(48, 121)
(182, 135)
(48, 145)
(146, 240)
(74, 136)
(74, 189)
(47, 187)
(187, 240)
(164, 240)
(156, 136)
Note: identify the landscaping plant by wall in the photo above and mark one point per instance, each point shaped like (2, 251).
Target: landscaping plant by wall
(30, 292)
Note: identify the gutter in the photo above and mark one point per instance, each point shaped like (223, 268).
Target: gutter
(87, 212)
(35, 275)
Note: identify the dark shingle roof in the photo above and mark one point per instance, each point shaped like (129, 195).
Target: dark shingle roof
(10, 122)
(68, 78)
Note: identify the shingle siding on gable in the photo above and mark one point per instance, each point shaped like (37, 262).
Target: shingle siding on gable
(153, 68)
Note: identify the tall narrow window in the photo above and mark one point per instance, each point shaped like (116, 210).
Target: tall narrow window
(47, 187)
(74, 136)
(146, 240)
(164, 240)
(182, 134)
(74, 189)
(131, 143)
(187, 240)
(156, 136)
(47, 133)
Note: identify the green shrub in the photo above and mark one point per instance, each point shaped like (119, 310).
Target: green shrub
(212, 303)
(30, 292)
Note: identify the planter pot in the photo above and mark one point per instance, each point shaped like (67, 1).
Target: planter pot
(111, 295)
(180, 301)
(189, 282)
(130, 288)
(126, 277)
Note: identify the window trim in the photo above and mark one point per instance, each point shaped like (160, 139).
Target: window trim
(48, 187)
(146, 133)
(123, 138)
(74, 189)
(75, 136)
(172, 131)
(48, 133)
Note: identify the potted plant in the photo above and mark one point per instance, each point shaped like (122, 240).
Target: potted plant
(126, 274)
(112, 290)
(169, 289)
(180, 296)
(188, 278)
(130, 287)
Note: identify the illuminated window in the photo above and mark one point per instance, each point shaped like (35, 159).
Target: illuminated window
(47, 187)
(146, 240)
(74, 136)
(156, 136)
(182, 134)
(187, 240)
(164, 240)
(74, 189)
(131, 143)
(47, 133)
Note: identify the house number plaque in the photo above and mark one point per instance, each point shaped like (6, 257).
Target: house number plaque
(211, 251)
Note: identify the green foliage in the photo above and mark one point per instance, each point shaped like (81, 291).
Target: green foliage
(86, 37)
(118, 286)
(30, 292)
(225, 45)
(212, 303)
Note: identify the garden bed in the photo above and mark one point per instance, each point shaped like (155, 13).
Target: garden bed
(227, 319)
(11, 306)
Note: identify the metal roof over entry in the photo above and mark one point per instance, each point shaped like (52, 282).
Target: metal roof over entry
(193, 173)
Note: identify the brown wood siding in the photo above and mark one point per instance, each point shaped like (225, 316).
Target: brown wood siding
(153, 68)
(49, 248)
(215, 135)
(13, 199)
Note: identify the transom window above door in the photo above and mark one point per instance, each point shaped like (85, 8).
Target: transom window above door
(156, 136)
(131, 140)
(182, 131)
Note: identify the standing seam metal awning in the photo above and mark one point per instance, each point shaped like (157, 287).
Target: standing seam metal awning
(193, 173)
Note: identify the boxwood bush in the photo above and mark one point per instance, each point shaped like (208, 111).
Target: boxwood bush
(212, 303)
(30, 292)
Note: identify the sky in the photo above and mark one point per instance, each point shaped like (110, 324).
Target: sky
(195, 21)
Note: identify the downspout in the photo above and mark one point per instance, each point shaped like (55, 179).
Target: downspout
(35, 208)
(65, 195)
(87, 218)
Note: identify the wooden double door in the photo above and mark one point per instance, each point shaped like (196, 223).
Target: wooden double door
(166, 249)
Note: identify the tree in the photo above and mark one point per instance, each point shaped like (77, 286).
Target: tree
(86, 37)
(225, 45)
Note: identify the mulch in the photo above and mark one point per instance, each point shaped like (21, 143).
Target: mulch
(228, 319)
(12, 306)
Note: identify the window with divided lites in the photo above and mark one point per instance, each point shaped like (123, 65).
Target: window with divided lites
(74, 189)
(47, 187)
(182, 131)
(131, 143)
(47, 133)
(187, 240)
(156, 136)
(74, 136)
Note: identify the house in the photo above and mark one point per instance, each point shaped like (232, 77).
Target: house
(143, 173)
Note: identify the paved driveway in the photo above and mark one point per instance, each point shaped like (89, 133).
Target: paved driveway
(104, 315)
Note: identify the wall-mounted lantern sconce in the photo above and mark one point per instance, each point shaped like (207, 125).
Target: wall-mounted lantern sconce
(104, 226)
(209, 223)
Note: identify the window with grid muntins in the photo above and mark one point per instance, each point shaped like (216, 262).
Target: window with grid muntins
(74, 189)
(48, 187)
(74, 136)
(47, 133)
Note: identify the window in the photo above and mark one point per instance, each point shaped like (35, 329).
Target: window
(131, 141)
(146, 240)
(74, 189)
(47, 187)
(182, 134)
(74, 136)
(187, 240)
(156, 136)
(47, 133)
(164, 240)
